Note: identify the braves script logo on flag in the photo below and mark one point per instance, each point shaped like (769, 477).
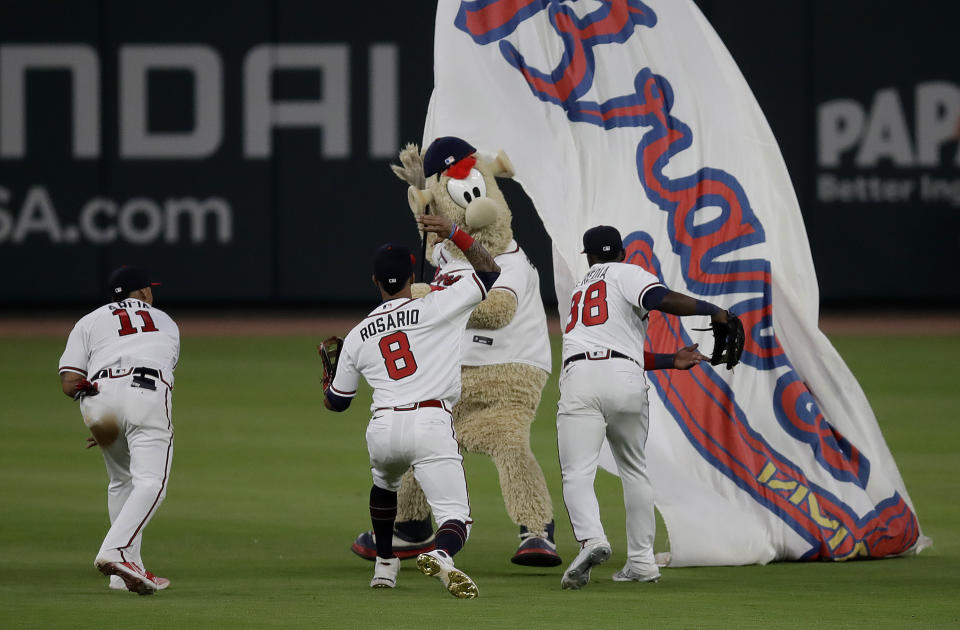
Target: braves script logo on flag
(712, 264)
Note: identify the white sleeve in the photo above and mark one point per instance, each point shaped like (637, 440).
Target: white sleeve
(459, 299)
(75, 355)
(636, 283)
(512, 279)
(347, 379)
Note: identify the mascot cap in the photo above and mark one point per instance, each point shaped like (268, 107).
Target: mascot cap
(443, 153)
(128, 278)
(601, 240)
(392, 265)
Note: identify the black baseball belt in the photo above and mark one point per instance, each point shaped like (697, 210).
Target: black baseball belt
(598, 356)
(142, 376)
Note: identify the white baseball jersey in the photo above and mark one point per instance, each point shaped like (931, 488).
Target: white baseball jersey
(120, 335)
(606, 311)
(525, 338)
(408, 350)
(607, 399)
(130, 417)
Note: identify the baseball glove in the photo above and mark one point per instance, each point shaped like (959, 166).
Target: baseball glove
(728, 341)
(329, 354)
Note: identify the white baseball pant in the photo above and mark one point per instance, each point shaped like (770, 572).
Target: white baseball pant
(606, 398)
(137, 459)
(424, 439)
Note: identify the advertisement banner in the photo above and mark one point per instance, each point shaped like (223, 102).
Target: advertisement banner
(240, 150)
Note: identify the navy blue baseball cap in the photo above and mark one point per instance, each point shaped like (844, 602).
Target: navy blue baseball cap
(602, 240)
(392, 266)
(443, 153)
(128, 278)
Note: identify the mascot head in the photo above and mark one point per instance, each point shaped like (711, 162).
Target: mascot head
(452, 179)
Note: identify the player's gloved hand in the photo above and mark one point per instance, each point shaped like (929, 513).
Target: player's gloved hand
(728, 339)
(85, 388)
(329, 354)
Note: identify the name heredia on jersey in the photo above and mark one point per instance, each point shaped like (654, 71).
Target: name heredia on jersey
(383, 323)
(596, 273)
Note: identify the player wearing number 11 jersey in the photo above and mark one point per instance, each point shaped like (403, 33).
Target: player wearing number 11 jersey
(408, 350)
(118, 363)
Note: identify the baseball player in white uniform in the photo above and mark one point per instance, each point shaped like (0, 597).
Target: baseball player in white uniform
(524, 340)
(118, 363)
(603, 393)
(408, 350)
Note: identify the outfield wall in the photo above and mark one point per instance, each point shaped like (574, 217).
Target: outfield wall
(241, 148)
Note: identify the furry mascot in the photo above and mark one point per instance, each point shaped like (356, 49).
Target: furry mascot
(505, 350)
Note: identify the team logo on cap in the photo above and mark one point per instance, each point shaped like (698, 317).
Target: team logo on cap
(449, 160)
(605, 248)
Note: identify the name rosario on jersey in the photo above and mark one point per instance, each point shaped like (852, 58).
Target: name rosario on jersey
(383, 323)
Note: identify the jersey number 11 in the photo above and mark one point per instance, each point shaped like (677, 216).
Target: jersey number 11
(127, 328)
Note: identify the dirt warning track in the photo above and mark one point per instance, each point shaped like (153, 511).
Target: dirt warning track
(206, 325)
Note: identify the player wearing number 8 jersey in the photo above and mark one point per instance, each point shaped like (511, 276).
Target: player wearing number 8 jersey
(118, 363)
(603, 393)
(408, 350)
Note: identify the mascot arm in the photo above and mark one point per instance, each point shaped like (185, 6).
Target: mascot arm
(495, 312)
(419, 289)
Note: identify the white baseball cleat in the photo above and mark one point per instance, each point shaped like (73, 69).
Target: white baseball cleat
(629, 574)
(117, 584)
(132, 574)
(439, 564)
(385, 573)
(578, 573)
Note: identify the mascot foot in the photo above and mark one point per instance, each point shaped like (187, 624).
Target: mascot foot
(537, 551)
(410, 539)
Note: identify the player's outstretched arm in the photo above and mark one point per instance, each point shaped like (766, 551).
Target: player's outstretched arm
(682, 359)
(476, 253)
(728, 334)
(679, 304)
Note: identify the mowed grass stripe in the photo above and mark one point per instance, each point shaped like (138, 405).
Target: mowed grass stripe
(268, 491)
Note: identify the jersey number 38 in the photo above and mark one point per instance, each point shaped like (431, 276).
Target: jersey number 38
(593, 311)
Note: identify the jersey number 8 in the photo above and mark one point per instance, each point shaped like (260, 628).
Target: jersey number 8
(399, 361)
(594, 309)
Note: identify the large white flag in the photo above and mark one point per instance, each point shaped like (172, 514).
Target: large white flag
(633, 114)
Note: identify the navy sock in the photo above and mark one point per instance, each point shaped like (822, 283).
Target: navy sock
(383, 512)
(451, 536)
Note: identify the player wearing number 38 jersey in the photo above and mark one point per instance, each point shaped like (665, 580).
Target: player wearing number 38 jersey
(119, 364)
(408, 350)
(603, 394)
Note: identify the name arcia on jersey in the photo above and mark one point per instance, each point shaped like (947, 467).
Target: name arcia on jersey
(383, 323)
(128, 303)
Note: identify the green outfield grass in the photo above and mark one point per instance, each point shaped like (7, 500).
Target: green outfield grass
(268, 491)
